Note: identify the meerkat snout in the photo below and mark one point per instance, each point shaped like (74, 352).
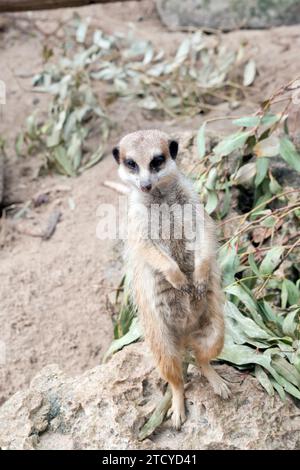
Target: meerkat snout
(146, 188)
(146, 159)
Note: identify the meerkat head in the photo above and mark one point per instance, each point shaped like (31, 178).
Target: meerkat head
(146, 159)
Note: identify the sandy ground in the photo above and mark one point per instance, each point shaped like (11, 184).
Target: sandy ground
(53, 294)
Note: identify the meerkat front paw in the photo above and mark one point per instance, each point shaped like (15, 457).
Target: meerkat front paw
(200, 288)
(200, 278)
(178, 280)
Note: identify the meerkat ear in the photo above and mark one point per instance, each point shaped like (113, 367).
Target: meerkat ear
(173, 149)
(116, 154)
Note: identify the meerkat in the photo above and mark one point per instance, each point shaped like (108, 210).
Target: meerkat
(175, 280)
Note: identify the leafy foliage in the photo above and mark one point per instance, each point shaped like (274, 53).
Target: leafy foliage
(199, 74)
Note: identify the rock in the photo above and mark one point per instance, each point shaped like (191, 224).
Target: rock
(105, 408)
(228, 14)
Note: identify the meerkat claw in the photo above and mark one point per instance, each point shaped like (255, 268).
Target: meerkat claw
(222, 389)
(200, 288)
(177, 416)
(187, 289)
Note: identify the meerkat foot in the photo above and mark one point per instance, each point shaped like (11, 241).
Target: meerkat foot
(177, 414)
(177, 410)
(221, 388)
(216, 381)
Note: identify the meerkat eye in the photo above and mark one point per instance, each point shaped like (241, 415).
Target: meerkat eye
(157, 162)
(131, 164)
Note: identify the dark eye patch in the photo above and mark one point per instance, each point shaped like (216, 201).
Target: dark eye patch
(131, 164)
(157, 162)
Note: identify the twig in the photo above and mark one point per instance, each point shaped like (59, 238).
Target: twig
(118, 187)
(245, 216)
(52, 223)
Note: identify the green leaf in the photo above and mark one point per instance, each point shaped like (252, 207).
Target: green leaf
(279, 389)
(211, 179)
(286, 370)
(95, 158)
(19, 143)
(212, 202)
(133, 335)
(31, 127)
(157, 416)
(62, 162)
(226, 201)
(269, 222)
(264, 380)
(149, 103)
(229, 262)
(248, 326)
(271, 260)
(182, 52)
(290, 325)
(55, 138)
(253, 265)
(74, 152)
(260, 204)
(245, 174)
(249, 73)
(268, 147)
(244, 295)
(253, 121)
(240, 292)
(274, 186)
(81, 31)
(201, 141)
(244, 355)
(288, 387)
(262, 166)
(289, 153)
(284, 295)
(231, 143)
(293, 292)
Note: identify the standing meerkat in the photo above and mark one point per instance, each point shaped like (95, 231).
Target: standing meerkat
(171, 262)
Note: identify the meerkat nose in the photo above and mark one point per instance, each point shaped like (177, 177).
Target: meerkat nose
(146, 187)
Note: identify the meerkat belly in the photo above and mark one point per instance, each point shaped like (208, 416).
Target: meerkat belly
(157, 301)
(180, 252)
(174, 307)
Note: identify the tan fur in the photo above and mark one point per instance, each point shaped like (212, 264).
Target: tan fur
(177, 290)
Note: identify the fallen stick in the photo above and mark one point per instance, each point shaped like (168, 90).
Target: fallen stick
(118, 187)
(25, 5)
(52, 223)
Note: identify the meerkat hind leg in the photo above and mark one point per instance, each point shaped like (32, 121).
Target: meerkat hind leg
(171, 371)
(207, 348)
(216, 381)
